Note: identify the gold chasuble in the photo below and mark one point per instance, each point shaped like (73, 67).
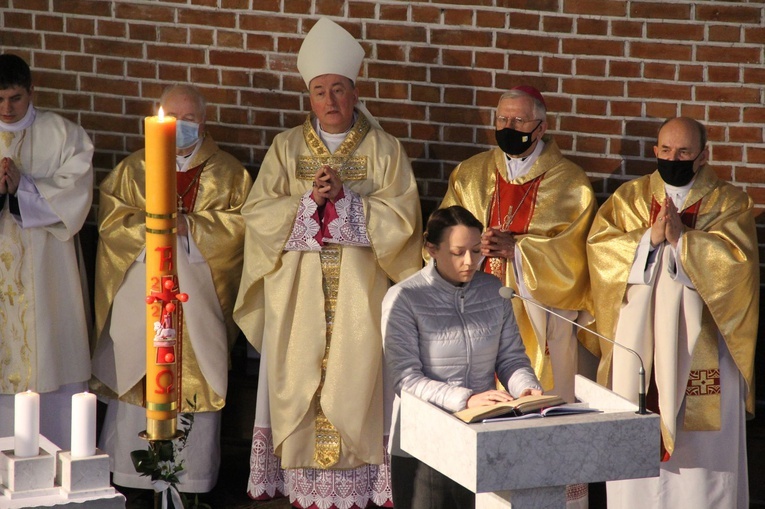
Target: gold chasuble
(718, 252)
(315, 314)
(549, 210)
(210, 194)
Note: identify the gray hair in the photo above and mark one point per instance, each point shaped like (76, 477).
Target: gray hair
(189, 90)
(540, 111)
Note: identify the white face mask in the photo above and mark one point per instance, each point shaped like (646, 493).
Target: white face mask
(186, 133)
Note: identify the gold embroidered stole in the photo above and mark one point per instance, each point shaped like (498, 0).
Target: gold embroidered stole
(349, 167)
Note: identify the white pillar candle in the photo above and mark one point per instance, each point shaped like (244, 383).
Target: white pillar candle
(83, 425)
(26, 438)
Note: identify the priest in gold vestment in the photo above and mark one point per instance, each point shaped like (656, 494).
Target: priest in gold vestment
(212, 186)
(46, 189)
(675, 276)
(332, 218)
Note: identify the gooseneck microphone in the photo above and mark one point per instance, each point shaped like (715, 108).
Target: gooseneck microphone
(508, 293)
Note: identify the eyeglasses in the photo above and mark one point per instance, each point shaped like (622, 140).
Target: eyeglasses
(514, 122)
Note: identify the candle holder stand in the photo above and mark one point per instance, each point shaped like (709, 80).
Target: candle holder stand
(28, 477)
(83, 477)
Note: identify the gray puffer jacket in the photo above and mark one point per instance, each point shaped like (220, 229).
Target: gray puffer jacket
(444, 343)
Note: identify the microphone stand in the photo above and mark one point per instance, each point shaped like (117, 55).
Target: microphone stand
(508, 293)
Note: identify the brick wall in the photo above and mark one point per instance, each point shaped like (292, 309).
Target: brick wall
(610, 70)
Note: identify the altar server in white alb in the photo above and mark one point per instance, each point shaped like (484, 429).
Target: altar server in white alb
(46, 182)
(333, 215)
(212, 186)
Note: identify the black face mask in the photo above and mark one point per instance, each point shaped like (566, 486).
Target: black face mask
(676, 173)
(514, 142)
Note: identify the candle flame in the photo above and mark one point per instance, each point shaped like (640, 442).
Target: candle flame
(161, 114)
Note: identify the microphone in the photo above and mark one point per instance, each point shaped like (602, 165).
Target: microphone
(508, 293)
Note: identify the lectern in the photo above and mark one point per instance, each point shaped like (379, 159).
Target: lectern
(527, 463)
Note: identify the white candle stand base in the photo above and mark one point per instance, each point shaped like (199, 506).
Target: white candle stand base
(28, 477)
(83, 477)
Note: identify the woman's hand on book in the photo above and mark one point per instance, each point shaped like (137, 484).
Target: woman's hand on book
(531, 392)
(489, 398)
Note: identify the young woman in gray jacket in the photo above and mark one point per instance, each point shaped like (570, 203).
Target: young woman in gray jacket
(446, 332)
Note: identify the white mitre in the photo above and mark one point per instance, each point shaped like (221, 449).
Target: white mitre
(328, 48)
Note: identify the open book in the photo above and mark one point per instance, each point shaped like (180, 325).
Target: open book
(516, 407)
(567, 409)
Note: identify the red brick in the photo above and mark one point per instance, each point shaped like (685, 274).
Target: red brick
(103, 105)
(424, 55)
(727, 153)
(524, 20)
(237, 4)
(47, 23)
(591, 106)
(661, 109)
(585, 67)
(297, 7)
(266, 5)
(622, 68)
(693, 73)
(358, 10)
(237, 59)
(396, 110)
(270, 24)
(20, 38)
(490, 19)
(591, 144)
(660, 10)
(458, 58)
(659, 51)
(729, 13)
(80, 26)
(108, 85)
(678, 31)
(750, 134)
(48, 61)
(260, 42)
(143, 12)
(176, 54)
(595, 7)
(622, 28)
(590, 26)
(583, 124)
(231, 39)
(626, 108)
(754, 115)
(63, 42)
(470, 77)
(728, 94)
(459, 17)
(425, 14)
(141, 69)
(113, 48)
(756, 155)
(141, 32)
(659, 71)
(79, 63)
(457, 134)
(643, 128)
(597, 164)
(593, 47)
(490, 60)
(462, 38)
(754, 35)
(388, 90)
(556, 65)
(259, 98)
(450, 152)
(427, 94)
(18, 20)
(724, 33)
(110, 66)
(518, 42)
(105, 28)
(173, 35)
(727, 54)
(329, 7)
(394, 52)
(589, 87)
(173, 73)
(204, 75)
(526, 63)
(557, 24)
(716, 133)
(724, 114)
(82, 7)
(625, 147)
(724, 74)
(207, 17)
(201, 36)
(754, 75)
(396, 72)
(33, 5)
(656, 90)
(537, 5)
